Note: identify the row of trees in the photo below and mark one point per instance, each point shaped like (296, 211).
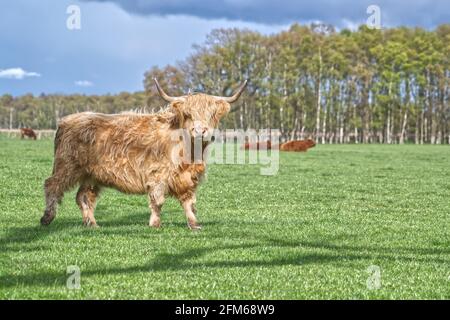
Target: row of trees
(387, 86)
(44, 111)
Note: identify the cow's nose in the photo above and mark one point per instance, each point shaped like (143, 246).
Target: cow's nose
(200, 130)
(205, 132)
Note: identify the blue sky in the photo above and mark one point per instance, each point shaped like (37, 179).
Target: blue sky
(120, 39)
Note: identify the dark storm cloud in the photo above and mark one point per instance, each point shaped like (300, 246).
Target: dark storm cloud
(425, 13)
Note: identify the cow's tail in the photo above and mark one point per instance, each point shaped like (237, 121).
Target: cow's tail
(58, 138)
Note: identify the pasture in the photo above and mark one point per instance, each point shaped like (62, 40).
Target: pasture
(318, 229)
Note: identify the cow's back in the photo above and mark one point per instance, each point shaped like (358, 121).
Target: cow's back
(295, 145)
(110, 149)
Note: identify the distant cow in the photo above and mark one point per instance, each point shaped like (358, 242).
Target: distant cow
(134, 153)
(259, 146)
(27, 132)
(297, 145)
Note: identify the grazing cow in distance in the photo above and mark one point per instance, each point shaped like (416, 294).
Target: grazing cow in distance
(297, 145)
(27, 132)
(259, 146)
(135, 154)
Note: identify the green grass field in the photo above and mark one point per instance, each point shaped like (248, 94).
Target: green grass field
(312, 231)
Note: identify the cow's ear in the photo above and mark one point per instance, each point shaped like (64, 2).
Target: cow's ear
(222, 109)
(177, 120)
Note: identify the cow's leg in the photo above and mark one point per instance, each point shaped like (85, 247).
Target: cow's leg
(194, 201)
(156, 198)
(155, 217)
(55, 186)
(53, 196)
(188, 202)
(86, 199)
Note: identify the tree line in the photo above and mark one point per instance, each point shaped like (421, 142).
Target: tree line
(363, 86)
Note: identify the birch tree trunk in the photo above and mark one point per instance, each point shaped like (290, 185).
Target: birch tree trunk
(302, 132)
(388, 128)
(422, 126)
(417, 129)
(405, 121)
(284, 102)
(319, 95)
(355, 126)
(10, 118)
(324, 126)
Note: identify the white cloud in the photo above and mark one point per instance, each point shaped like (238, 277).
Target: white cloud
(84, 83)
(17, 73)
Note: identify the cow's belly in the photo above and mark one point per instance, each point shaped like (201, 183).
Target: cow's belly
(119, 175)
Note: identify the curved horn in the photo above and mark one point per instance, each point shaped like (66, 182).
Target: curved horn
(236, 95)
(164, 95)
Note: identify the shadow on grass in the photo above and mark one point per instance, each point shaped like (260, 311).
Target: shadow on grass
(188, 260)
(165, 262)
(25, 235)
(19, 238)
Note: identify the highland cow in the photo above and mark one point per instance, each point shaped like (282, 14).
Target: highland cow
(27, 132)
(297, 145)
(267, 145)
(134, 153)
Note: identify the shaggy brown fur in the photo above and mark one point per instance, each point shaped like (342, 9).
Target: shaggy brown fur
(297, 145)
(133, 154)
(27, 132)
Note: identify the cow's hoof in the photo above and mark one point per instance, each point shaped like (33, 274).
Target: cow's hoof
(155, 224)
(194, 227)
(89, 224)
(46, 220)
